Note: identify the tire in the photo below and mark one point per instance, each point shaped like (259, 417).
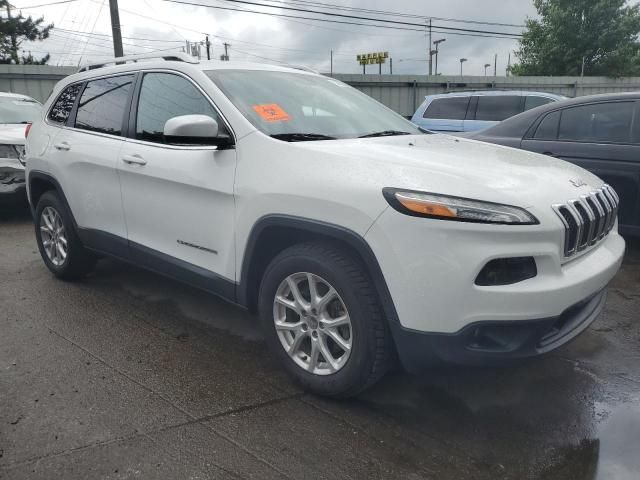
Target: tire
(371, 349)
(53, 216)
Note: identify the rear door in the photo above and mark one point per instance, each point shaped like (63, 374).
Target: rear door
(445, 114)
(491, 109)
(86, 147)
(602, 138)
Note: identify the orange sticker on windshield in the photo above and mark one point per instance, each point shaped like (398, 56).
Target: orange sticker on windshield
(272, 112)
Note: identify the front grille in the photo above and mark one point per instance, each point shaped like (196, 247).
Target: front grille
(588, 219)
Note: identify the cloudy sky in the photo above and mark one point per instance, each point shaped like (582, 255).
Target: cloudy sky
(83, 31)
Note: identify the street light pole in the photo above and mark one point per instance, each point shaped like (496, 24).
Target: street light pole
(486, 65)
(462, 60)
(436, 43)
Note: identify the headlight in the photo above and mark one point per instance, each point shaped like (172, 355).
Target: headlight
(12, 151)
(445, 207)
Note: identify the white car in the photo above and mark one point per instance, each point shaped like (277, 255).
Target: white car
(16, 113)
(355, 235)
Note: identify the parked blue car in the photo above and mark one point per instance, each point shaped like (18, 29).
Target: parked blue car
(477, 110)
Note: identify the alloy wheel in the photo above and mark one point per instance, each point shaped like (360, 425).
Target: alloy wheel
(312, 323)
(53, 236)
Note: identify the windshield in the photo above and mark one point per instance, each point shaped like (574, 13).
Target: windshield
(18, 110)
(311, 107)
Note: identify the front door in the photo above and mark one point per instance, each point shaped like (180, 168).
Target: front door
(178, 200)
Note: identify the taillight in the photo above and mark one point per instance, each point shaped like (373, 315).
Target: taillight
(26, 130)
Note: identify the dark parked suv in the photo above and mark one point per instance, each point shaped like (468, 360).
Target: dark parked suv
(601, 133)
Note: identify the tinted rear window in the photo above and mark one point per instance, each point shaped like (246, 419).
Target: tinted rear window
(62, 108)
(102, 104)
(497, 108)
(454, 108)
(600, 122)
(548, 128)
(533, 101)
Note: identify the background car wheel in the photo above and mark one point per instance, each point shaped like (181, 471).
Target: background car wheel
(322, 318)
(58, 241)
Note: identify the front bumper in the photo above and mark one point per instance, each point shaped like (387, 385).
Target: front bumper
(13, 190)
(492, 342)
(431, 266)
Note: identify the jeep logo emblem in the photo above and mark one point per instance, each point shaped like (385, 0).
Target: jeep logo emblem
(578, 182)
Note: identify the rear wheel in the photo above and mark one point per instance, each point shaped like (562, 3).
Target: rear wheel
(58, 241)
(321, 317)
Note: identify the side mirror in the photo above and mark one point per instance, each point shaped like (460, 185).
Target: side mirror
(194, 130)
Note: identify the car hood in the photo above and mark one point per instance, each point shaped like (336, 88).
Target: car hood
(12, 134)
(457, 166)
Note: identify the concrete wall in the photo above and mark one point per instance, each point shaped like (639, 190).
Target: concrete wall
(403, 93)
(37, 81)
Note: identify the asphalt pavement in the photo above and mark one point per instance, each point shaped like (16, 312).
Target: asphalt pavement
(130, 375)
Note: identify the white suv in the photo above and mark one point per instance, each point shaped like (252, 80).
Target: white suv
(356, 236)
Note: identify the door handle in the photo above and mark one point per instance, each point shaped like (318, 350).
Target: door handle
(134, 160)
(63, 146)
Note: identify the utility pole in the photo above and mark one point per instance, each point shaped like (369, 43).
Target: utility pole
(226, 52)
(14, 41)
(509, 64)
(430, 54)
(331, 68)
(495, 65)
(208, 45)
(115, 28)
(391, 66)
(436, 43)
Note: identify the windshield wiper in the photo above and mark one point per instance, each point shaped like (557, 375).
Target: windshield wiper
(301, 137)
(385, 133)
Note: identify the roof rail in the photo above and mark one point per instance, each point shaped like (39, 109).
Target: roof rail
(169, 57)
(304, 68)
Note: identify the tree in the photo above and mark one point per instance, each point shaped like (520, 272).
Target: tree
(600, 36)
(14, 30)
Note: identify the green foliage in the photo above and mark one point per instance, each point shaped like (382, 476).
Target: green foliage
(14, 31)
(603, 33)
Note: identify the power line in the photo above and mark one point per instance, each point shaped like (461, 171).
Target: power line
(394, 14)
(342, 15)
(92, 34)
(45, 4)
(422, 30)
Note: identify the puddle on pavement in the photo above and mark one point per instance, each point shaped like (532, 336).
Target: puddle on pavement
(619, 439)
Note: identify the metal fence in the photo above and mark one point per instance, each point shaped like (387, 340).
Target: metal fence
(402, 93)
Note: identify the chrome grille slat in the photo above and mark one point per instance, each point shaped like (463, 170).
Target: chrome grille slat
(587, 219)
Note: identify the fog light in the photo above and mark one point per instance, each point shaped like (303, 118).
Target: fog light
(506, 271)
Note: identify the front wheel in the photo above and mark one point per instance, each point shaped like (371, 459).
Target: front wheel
(322, 318)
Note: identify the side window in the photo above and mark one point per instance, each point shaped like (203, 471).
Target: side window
(102, 104)
(599, 122)
(164, 96)
(497, 108)
(454, 108)
(533, 101)
(548, 128)
(62, 107)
